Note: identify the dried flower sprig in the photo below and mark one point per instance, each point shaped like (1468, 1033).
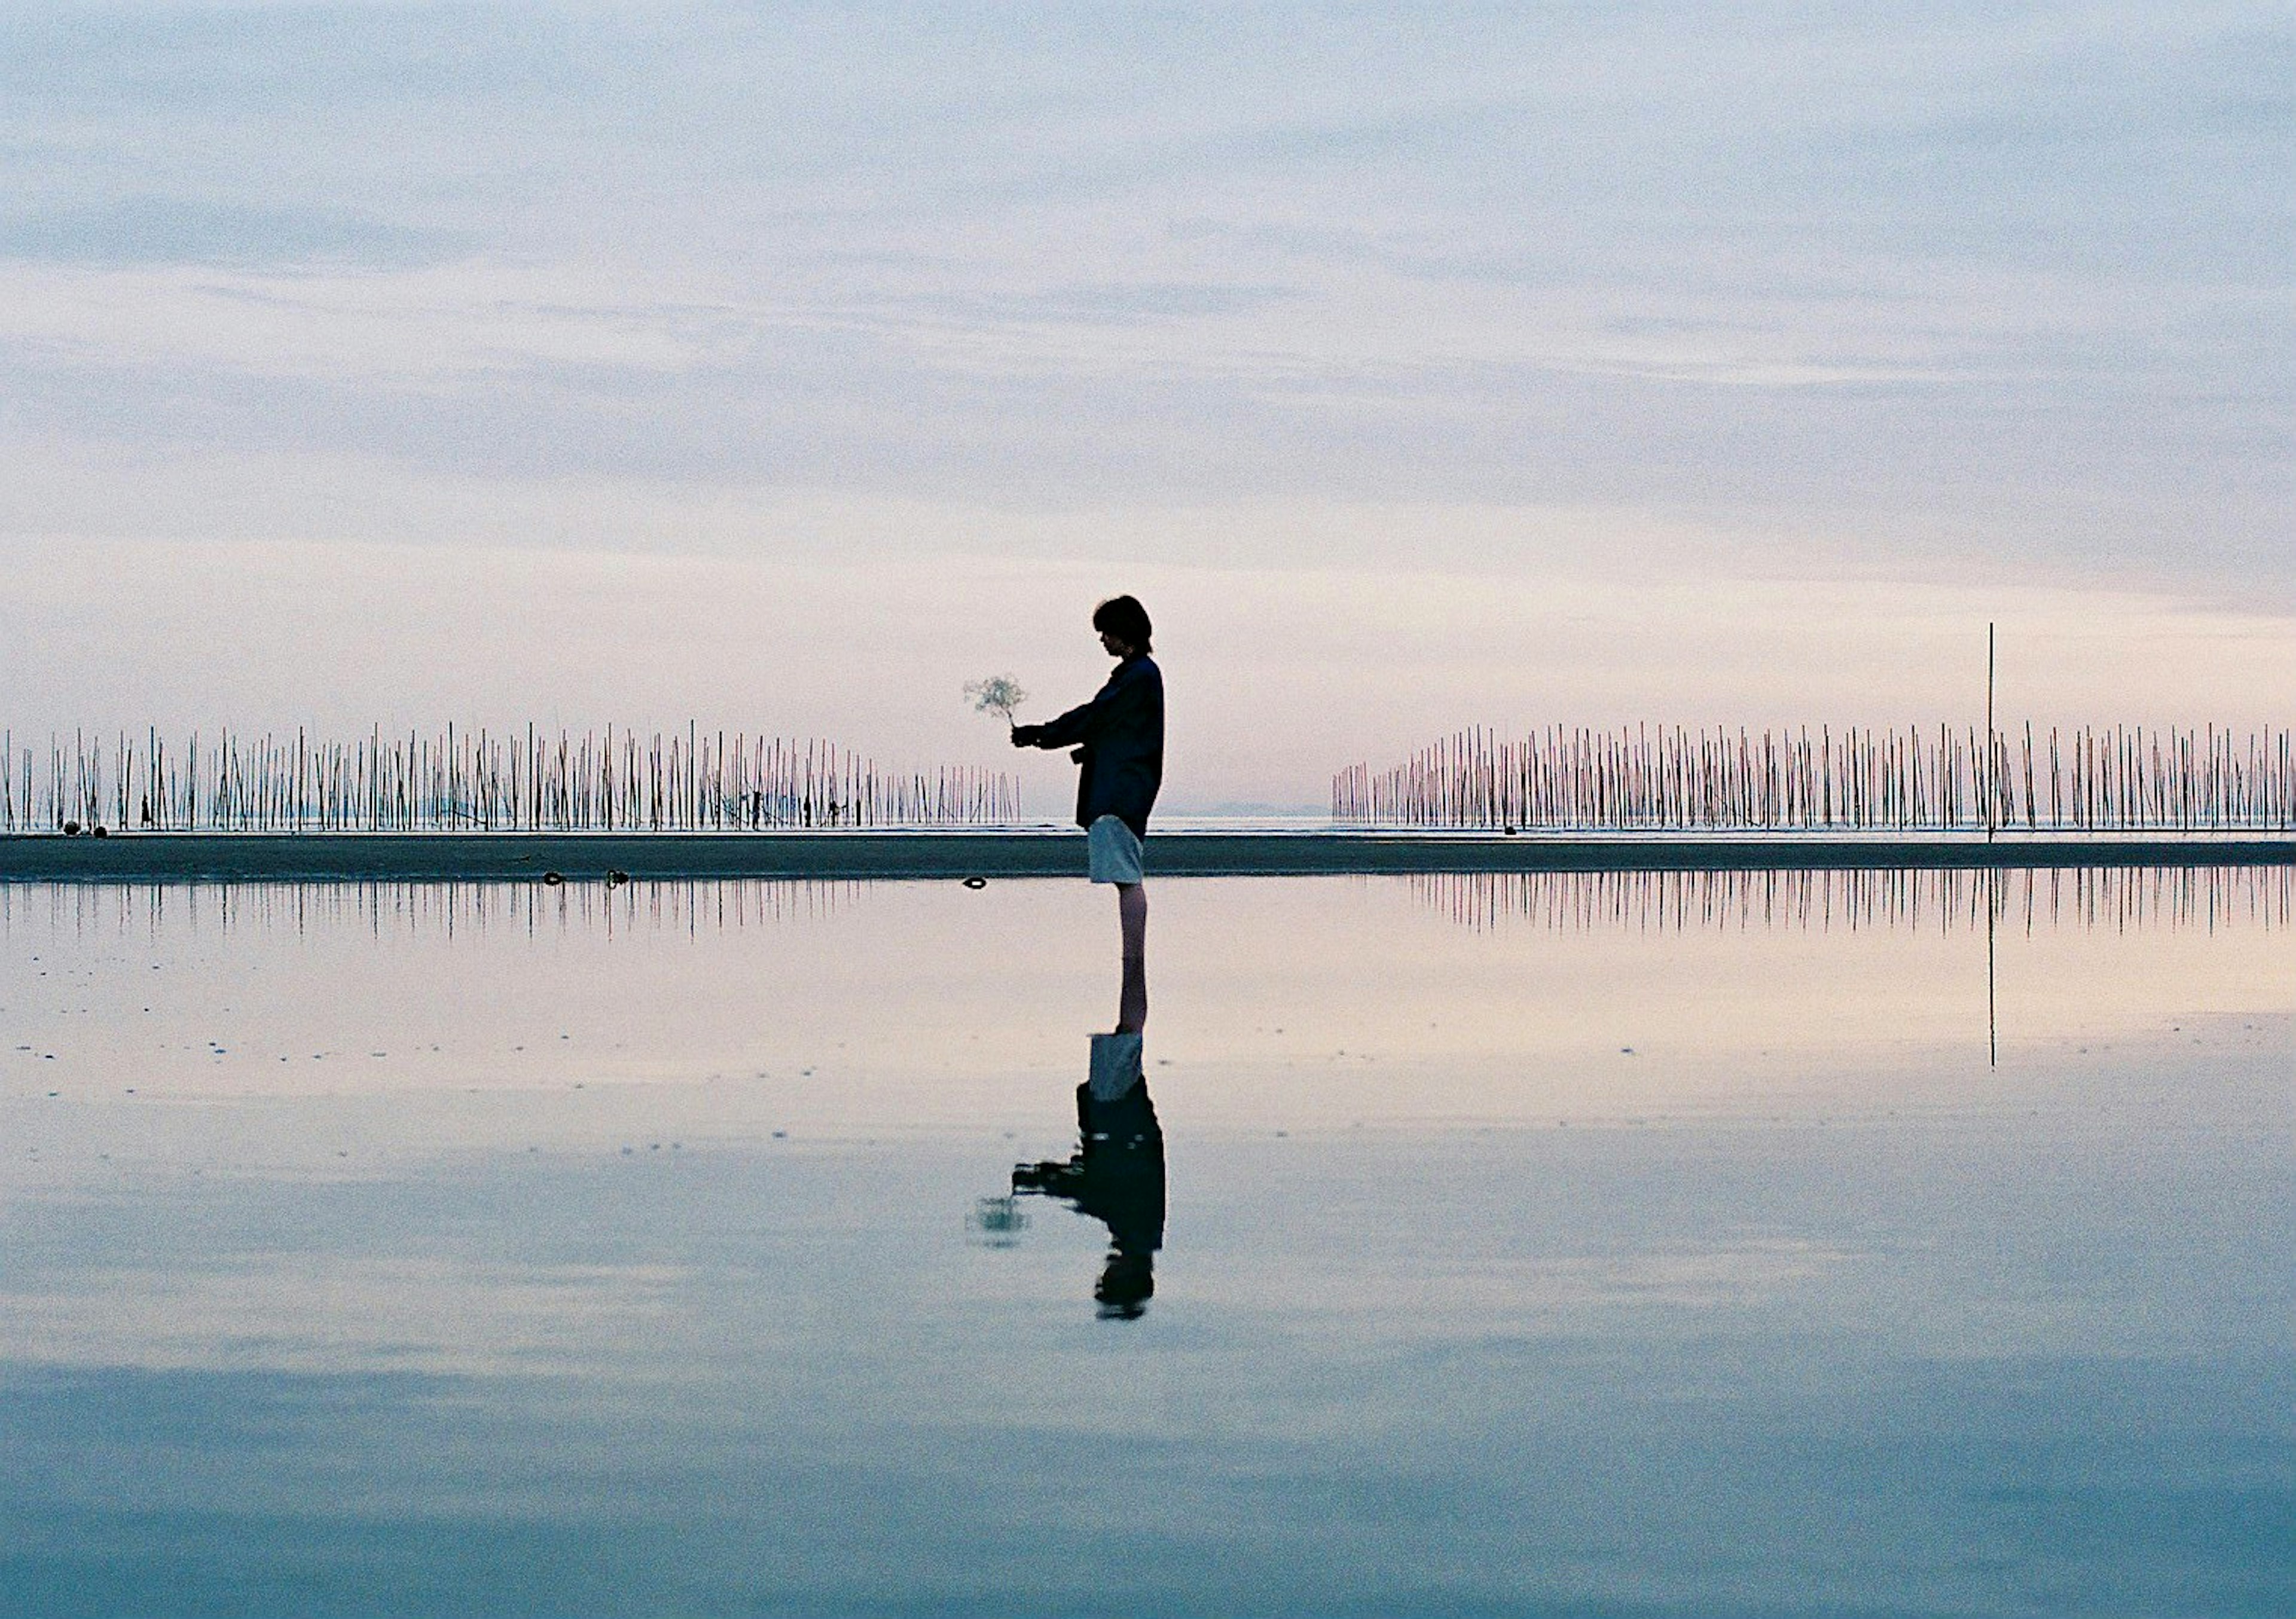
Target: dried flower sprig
(999, 694)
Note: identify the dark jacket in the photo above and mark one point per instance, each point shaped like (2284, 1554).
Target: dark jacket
(1120, 741)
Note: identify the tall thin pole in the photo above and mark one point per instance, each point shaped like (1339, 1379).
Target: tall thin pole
(1991, 755)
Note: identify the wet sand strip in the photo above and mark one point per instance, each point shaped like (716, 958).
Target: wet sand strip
(860, 855)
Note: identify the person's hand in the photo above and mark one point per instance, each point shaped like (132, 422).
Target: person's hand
(1024, 736)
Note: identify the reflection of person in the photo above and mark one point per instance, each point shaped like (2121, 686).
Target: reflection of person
(1119, 737)
(1116, 1174)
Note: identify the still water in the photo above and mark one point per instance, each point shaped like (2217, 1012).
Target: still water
(1717, 1245)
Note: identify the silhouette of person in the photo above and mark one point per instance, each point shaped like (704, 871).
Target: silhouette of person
(1116, 1174)
(1118, 739)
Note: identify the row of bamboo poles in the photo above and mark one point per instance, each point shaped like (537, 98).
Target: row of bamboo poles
(2119, 898)
(481, 780)
(2096, 778)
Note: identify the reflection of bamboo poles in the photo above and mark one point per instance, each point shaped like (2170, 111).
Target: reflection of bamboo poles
(2104, 898)
(489, 782)
(415, 908)
(2091, 780)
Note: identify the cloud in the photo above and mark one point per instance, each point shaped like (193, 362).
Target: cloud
(1851, 293)
(178, 231)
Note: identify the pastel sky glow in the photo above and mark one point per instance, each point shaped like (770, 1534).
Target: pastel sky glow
(786, 366)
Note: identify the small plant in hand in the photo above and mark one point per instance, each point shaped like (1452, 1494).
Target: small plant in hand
(999, 694)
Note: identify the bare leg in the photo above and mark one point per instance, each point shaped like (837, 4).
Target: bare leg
(1132, 915)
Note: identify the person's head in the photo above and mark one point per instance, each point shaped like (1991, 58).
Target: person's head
(1127, 1283)
(1123, 626)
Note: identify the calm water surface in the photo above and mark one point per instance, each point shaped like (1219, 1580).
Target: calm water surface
(1718, 1247)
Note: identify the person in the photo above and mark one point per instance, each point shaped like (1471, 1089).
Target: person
(1119, 738)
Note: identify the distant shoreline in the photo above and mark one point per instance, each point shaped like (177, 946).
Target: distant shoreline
(1016, 852)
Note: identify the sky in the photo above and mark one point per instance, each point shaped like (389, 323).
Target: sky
(784, 367)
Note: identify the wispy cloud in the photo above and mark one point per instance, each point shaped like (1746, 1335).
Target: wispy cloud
(177, 230)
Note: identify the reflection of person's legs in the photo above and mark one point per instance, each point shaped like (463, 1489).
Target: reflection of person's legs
(1132, 917)
(1113, 857)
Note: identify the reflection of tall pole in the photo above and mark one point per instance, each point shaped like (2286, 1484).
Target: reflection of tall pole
(1989, 756)
(1992, 1024)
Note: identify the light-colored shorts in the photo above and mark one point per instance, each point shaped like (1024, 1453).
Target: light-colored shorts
(1112, 851)
(1115, 1065)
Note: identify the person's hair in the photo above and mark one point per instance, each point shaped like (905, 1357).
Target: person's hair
(1125, 618)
